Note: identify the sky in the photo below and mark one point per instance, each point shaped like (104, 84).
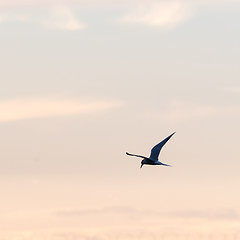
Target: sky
(84, 81)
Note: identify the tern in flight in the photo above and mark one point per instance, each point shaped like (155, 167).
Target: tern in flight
(153, 159)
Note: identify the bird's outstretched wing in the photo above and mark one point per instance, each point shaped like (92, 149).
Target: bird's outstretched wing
(134, 155)
(156, 149)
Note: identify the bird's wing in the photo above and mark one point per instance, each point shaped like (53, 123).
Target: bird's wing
(134, 155)
(156, 149)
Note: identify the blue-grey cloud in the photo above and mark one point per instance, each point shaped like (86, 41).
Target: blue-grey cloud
(219, 214)
(62, 18)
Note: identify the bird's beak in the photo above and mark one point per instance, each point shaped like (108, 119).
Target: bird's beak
(141, 165)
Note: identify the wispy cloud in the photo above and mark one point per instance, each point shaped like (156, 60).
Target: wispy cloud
(19, 109)
(63, 18)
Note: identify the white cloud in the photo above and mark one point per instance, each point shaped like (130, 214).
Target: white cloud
(162, 14)
(63, 18)
(19, 109)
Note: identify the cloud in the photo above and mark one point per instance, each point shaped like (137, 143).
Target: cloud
(161, 14)
(218, 214)
(20, 109)
(133, 218)
(122, 210)
(179, 111)
(232, 90)
(6, 17)
(221, 214)
(165, 13)
(105, 2)
(62, 18)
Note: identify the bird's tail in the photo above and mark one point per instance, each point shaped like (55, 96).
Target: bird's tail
(166, 165)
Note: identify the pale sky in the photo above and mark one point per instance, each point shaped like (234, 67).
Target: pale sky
(84, 81)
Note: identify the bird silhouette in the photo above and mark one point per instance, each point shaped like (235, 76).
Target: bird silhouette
(153, 159)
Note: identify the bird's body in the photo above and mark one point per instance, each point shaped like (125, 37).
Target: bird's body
(153, 159)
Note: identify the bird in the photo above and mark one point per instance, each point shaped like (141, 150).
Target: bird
(153, 159)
